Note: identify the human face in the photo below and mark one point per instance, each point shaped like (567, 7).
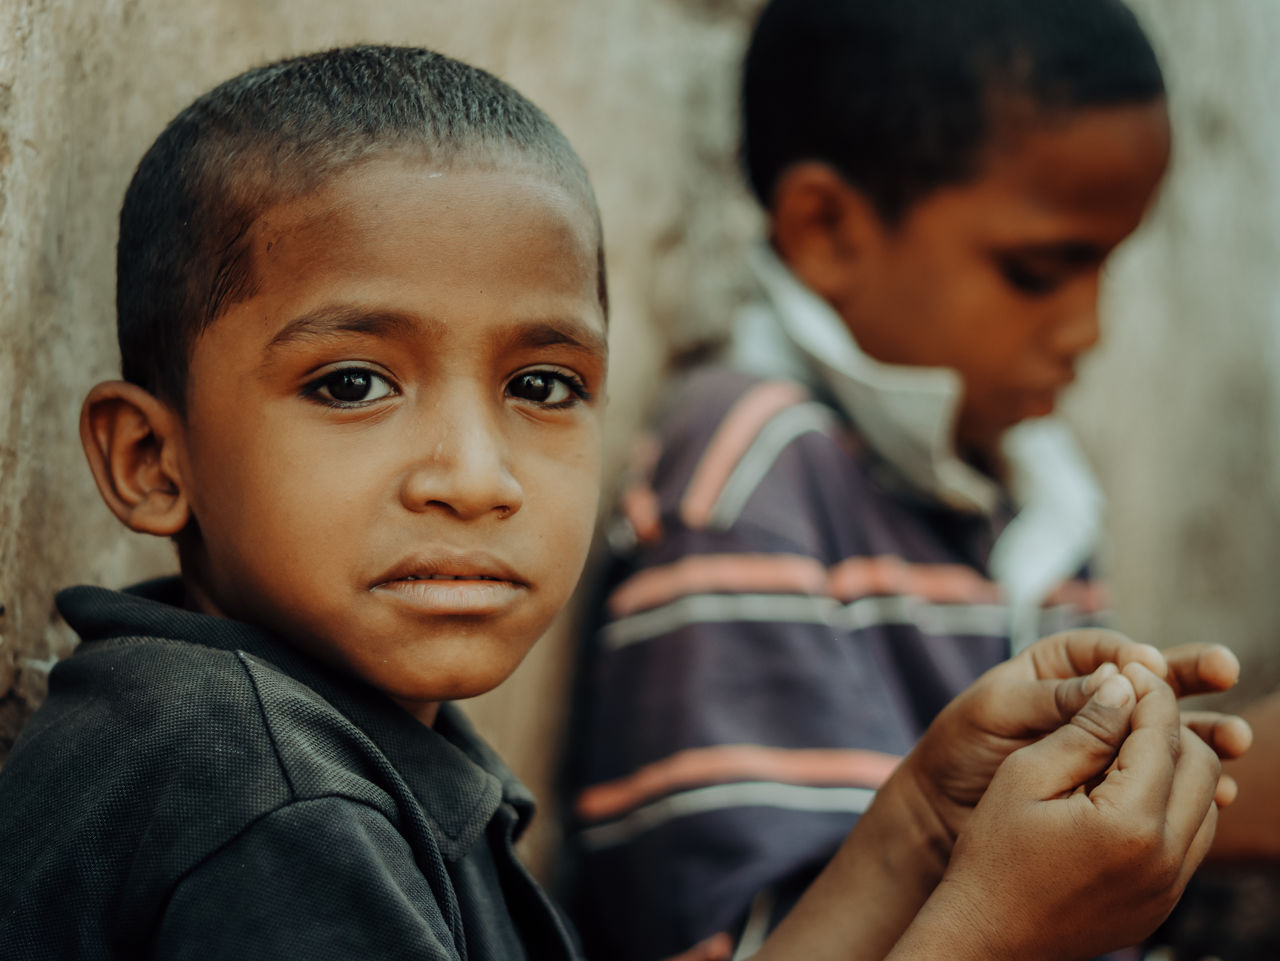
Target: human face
(392, 449)
(998, 278)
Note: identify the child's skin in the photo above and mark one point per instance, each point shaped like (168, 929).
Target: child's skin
(996, 278)
(416, 388)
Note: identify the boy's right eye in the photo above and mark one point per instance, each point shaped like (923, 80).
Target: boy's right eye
(1030, 279)
(350, 387)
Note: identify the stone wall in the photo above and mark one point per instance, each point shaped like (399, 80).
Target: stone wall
(1180, 409)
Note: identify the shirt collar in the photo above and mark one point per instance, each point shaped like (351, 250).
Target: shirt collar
(906, 414)
(459, 780)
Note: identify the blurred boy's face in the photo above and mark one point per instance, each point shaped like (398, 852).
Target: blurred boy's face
(392, 449)
(998, 278)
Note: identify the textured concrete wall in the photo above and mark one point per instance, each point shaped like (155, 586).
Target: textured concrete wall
(1181, 406)
(1180, 409)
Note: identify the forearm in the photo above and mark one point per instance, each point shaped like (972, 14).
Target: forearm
(875, 884)
(946, 929)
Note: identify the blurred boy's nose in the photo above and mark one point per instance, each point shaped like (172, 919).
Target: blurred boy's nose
(461, 464)
(1077, 330)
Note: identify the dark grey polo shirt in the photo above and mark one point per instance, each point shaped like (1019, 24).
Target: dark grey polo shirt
(195, 788)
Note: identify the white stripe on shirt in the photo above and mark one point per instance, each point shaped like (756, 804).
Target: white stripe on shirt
(965, 619)
(760, 457)
(794, 797)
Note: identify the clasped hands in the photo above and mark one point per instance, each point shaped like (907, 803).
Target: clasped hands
(1072, 801)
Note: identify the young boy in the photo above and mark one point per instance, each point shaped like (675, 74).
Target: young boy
(868, 507)
(362, 317)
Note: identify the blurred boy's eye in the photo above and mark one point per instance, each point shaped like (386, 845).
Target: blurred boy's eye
(1029, 278)
(547, 388)
(350, 386)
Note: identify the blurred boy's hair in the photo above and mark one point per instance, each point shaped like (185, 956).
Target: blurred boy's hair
(902, 96)
(275, 133)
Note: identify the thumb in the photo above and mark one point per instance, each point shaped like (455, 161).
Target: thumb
(1082, 749)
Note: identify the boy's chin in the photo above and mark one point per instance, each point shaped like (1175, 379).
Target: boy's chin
(454, 669)
(981, 440)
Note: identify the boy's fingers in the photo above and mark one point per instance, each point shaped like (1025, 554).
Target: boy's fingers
(1078, 751)
(1163, 701)
(1200, 846)
(1227, 792)
(1201, 668)
(1228, 735)
(1148, 757)
(1195, 783)
(1080, 652)
(1037, 707)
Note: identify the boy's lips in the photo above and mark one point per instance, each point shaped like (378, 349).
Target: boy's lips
(471, 583)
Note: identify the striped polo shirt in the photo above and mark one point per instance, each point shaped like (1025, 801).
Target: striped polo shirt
(803, 574)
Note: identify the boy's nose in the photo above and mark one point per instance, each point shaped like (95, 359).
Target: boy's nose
(1078, 329)
(462, 468)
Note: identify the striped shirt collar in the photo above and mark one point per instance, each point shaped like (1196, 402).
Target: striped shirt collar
(904, 413)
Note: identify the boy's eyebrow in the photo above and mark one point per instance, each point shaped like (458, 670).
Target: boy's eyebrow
(342, 318)
(1067, 251)
(559, 332)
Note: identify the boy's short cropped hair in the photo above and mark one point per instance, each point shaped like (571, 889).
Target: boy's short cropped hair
(901, 96)
(274, 133)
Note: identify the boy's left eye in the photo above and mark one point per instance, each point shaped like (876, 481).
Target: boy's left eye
(350, 387)
(1031, 279)
(547, 388)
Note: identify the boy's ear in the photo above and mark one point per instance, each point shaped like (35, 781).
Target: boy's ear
(823, 228)
(131, 439)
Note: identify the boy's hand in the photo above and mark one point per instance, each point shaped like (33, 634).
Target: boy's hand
(1047, 869)
(883, 895)
(1023, 699)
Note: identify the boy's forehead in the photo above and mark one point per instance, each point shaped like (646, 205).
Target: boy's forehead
(393, 235)
(1093, 156)
(360, 193)
(1086, 176)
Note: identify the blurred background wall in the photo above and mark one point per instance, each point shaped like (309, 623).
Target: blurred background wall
(1180, 408)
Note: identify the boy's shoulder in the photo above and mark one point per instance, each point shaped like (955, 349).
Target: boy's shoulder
(193, 704)
(699, 403)
(732, 448)
(156, 754)
(163, 735)
(147, 703)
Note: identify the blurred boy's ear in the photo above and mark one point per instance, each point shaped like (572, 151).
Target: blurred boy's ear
(823, 229)
(131, 439)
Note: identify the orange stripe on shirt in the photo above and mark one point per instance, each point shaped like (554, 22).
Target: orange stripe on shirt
(718, 573)
(698, 767)
(731, 441)
(796, 574)
(643, 511)
(940, 583)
